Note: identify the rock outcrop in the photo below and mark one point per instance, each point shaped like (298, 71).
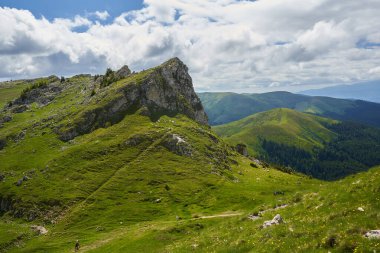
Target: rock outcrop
(41, 92)
(123, 72)
(163, 90)
(242, 149)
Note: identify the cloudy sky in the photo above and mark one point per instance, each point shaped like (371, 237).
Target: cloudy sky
(229, 45)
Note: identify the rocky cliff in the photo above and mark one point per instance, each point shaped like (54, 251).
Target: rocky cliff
(163, 90)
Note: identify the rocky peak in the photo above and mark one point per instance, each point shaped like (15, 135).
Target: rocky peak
(172, 90)
(163, 90)
(123, 72)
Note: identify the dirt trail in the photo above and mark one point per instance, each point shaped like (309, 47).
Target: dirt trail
(218, 216)
(120, 233)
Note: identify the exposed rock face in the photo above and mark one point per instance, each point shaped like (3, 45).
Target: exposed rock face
(123, 72)
(5, 204)
(174, 92)
(242, 149)
(165, 90)
(177, 145)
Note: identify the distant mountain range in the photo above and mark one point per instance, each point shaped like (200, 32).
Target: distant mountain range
(226, 107)
(369, 91)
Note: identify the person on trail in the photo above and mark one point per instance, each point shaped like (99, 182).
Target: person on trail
(77, 246)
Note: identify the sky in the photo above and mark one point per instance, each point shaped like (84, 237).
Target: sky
(228, 45)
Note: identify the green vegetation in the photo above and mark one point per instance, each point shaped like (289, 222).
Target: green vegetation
(227, 107)
(108, 78)
(133, 184)
(316, 146)
(10, 91)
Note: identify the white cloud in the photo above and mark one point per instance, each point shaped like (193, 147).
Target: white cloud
(227, 44)
(102, 15)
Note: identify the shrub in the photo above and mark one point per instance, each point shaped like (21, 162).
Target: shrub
(38, 84)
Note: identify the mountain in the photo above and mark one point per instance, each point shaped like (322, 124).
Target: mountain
(125, 162)
(369, 91)
(282, 125)
(321, 147)
(222, 108)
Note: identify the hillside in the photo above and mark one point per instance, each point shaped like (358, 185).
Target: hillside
(223, 108)
(369, 91)
(317, 146)
(125, 162)
(281, 125)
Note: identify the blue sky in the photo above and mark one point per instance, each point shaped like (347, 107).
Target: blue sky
(228, 45)
(51, 9)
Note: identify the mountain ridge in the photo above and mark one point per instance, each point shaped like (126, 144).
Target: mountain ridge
(227, 107)
(367, 91)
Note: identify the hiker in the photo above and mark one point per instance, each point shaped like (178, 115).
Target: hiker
(77, 246)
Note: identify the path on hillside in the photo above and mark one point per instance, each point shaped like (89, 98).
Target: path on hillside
(218, 216)
(156, 225)
(137, 159)
(120, 233)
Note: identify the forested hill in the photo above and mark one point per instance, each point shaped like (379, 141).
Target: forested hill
(316, 146)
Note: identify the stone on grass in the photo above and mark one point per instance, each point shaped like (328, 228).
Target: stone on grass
(373, 234)
(275, 221)
(39, 229)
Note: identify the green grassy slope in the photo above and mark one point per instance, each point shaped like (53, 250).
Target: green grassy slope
(282, 125)
(153, 184)
(10, 91)
(227, 107)
(118, 175)
(326, 219)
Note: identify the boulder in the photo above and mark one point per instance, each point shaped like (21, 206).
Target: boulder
(40, 230)
(19, 182)
(275, 221)
(373, 234)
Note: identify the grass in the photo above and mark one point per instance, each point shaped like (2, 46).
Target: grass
(10, 91)
(284, 126)
(119, 188)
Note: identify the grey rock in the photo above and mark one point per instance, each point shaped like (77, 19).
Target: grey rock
(5, 119)
(5, 204)
(123, 72)
(242, 149)
(373, 234)
(2, 143)
(2, 177)
(19, 182)
(176, 144)
(275, 221)
(19, 108)
(40, 230)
